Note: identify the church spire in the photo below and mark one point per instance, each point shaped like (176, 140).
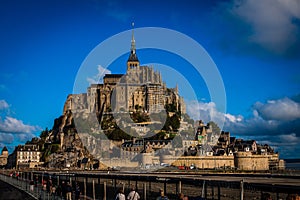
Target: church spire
(132, 40)
(133, 61)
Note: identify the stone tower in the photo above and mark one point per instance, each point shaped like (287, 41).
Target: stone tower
(5, 151)
(3, 156)
(133, 61)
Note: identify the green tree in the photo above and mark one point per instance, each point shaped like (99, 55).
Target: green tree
(159, 136)
(175, 122)
(118, 134)
(44, 134)
(170, 107)
(54, 148)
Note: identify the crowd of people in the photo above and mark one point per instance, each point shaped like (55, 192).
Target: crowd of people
(134, 195)
(65, 191)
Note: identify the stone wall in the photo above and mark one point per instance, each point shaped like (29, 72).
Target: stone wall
(119, 162)
(241, 161)
(247, 161)
(201, 162)
(3, 160)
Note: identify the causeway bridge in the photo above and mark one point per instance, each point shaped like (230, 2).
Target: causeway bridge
(105, 184)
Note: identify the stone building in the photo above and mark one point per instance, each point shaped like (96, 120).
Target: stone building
(3, 157)
(25, 156)
(130, 149)
(251, 162)
(227, 153)
(140, 88)
(203, 133)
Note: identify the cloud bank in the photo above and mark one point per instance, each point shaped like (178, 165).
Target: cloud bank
(12, 130)
(272, 22)
(276, 122)
(282, 109)
(3, 105)
(271, 26)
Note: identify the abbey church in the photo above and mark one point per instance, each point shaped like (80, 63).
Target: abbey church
(140, 89)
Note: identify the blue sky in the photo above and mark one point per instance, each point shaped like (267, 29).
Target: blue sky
(255, 45)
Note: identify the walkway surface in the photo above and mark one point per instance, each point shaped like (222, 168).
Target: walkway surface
(9, 192)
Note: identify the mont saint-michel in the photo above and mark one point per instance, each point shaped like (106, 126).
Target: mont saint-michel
(202, 99)
(134, 120)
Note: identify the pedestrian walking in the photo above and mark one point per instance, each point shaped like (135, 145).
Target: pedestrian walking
(181, 196)
(53, 191)
(64, 190)
(77, 192)
(162, 195)
(266, 196)
(133, 195)
(31, 183)
(58, 191)
(69, 191)
(120, 195)
(293, 197)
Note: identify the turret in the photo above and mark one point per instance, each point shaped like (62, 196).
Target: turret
(4, 151)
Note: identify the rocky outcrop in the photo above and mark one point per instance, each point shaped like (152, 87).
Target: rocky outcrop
(63, 147)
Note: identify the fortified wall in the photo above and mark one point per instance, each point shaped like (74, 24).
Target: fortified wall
(247, 161)
(240, 160)
(205, 162)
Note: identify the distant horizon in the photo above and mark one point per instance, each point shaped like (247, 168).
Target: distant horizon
(298, 159)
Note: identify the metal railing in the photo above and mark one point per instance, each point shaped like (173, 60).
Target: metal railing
(35, 191)
(105, 186)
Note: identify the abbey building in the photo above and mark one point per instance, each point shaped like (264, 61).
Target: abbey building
(141, 88)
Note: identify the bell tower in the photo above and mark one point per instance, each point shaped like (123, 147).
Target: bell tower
(133, 61)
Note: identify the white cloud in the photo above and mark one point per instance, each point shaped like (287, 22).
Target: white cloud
(285, 144)
(269, 116)
(275, 117)
(12, 130)
(98, 78)
(281, 109)
(24, 137)
(3, 105)
(6, 138)
(233, 118)
(13, 125)
(289, 138)
(208, 112)
(205, 111)
(276, 122)
(272, 22)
